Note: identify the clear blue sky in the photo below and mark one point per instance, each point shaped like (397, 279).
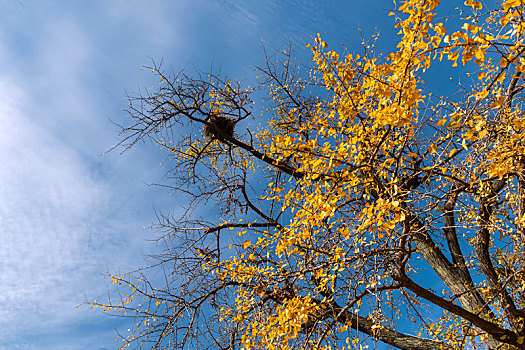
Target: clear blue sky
(66, 213)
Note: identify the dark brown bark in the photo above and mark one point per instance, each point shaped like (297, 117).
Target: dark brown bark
(493, 329)
(386, 335)
(450, 231)
(460, 285)
(521, 198)
(487, 203)
(333, 311)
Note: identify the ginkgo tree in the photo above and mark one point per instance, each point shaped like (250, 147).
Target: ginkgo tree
(365, 209)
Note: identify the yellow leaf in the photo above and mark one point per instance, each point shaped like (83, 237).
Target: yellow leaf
(441, 122)
(474, 4)
(482, 134)
(440, 29)
(479, 54)
(510, 3)
(498, 103)
(390, 225)
(317, 162)
(482, 94)
(468, 135)
(246, 244)
(464, 145)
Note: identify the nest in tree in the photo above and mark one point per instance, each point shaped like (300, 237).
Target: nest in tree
(219, 127)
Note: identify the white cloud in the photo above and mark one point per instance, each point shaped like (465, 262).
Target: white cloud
(65, 213)
(47, 203)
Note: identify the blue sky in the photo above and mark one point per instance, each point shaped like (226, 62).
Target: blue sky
(68, 214)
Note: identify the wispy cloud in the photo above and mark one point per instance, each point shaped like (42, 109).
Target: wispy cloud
(48, 204)
(65, 212)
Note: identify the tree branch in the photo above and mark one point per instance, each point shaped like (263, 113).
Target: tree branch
(501, 334)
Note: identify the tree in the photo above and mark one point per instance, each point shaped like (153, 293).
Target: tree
(365, 208)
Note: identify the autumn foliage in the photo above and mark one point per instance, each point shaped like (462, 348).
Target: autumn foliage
(366, 207)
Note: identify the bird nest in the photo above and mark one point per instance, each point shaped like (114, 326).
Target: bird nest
(219, 127)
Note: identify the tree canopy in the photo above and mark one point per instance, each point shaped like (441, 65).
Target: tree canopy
(365, 208)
